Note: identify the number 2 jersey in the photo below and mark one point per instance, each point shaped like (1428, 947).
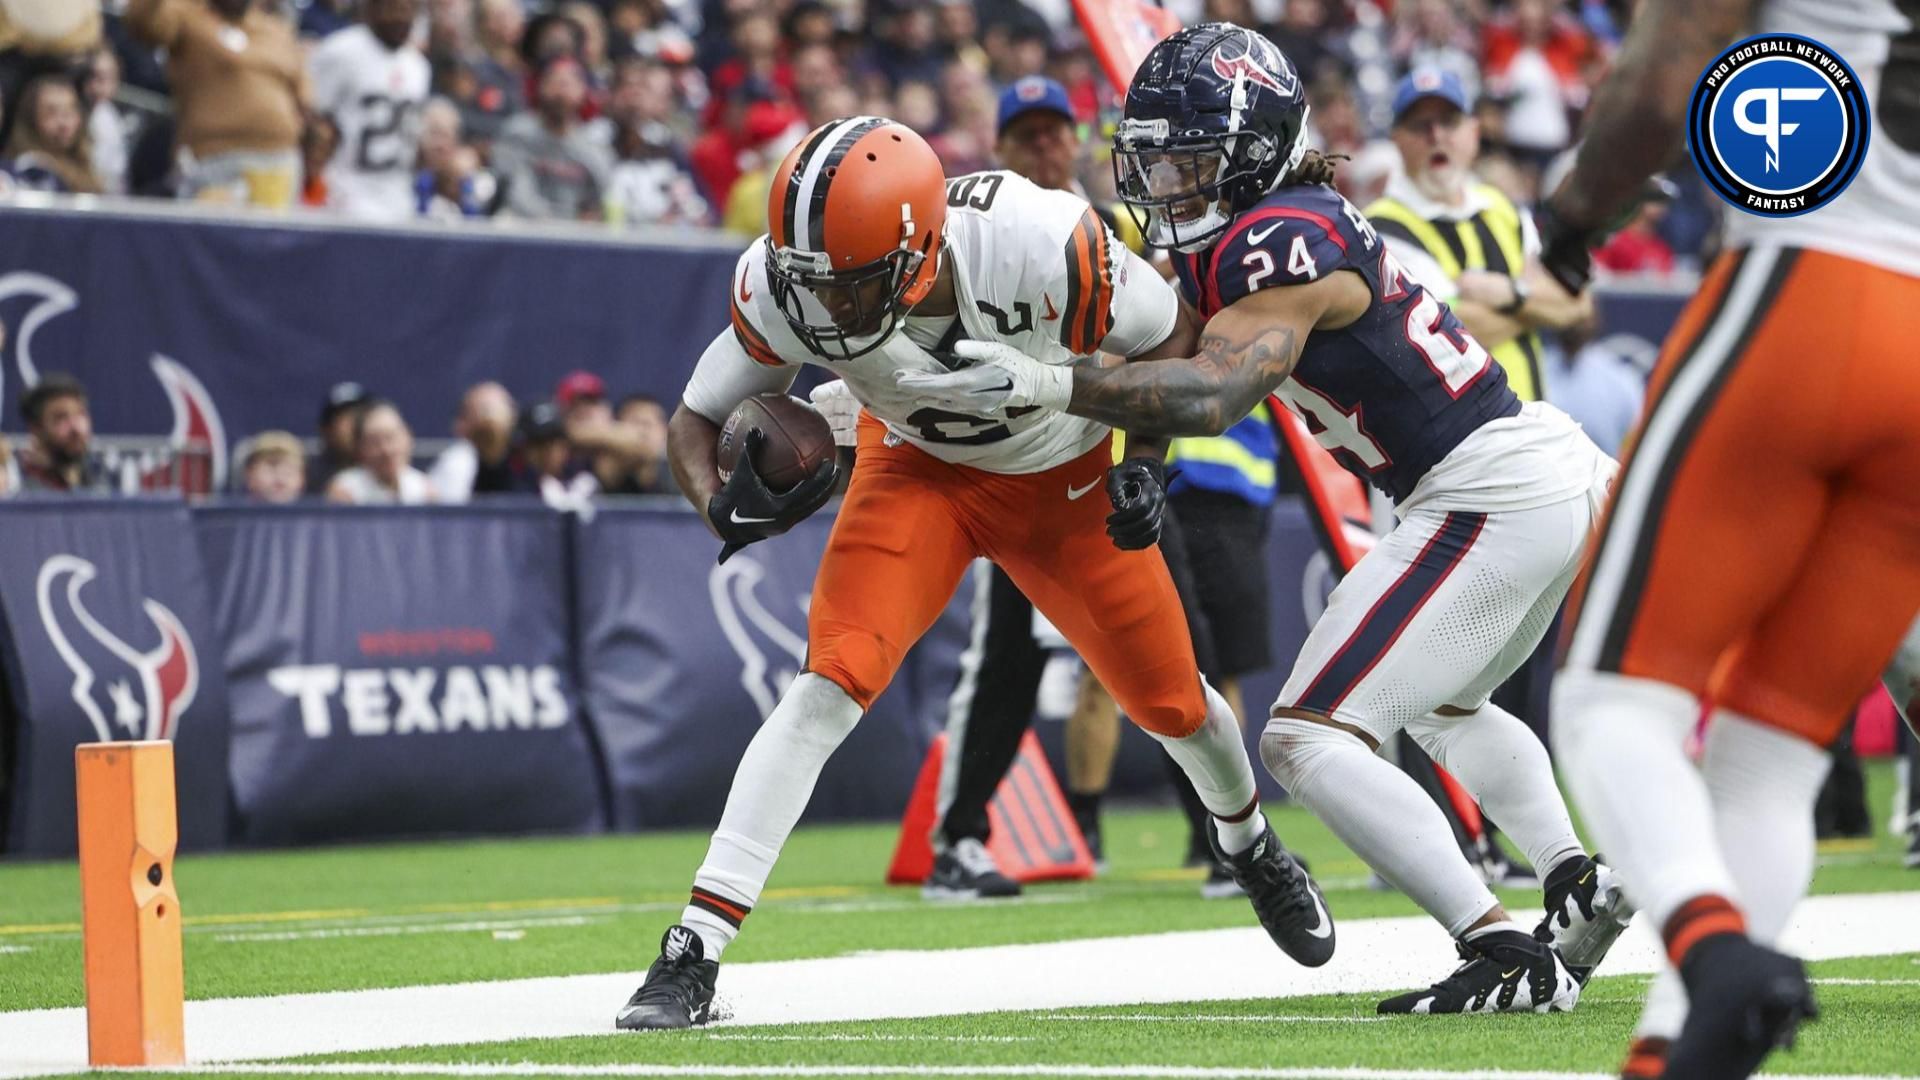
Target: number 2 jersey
(374, 95)
(1031, 267)
(1403, 396)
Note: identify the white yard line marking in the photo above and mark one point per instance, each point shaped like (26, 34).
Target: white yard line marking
(1867, 982)
(498, 926)
(1216, 1019)
(6, 949)
(1090, 1072)
(1375, 955)
(1222, 1018)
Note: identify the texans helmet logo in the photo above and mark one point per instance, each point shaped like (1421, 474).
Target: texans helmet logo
(196, 422)
(1245, 66)
(116, 685)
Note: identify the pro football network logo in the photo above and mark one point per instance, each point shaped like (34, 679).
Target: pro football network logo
(142, 694)
(1778, 125)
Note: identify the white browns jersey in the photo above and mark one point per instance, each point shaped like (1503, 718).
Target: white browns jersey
(374, 95)
(1877, 219)
(1031, 267)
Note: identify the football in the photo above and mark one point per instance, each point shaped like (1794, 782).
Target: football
(797, 439)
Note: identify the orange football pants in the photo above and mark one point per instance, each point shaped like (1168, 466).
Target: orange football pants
(1763, 546)
(910, 525)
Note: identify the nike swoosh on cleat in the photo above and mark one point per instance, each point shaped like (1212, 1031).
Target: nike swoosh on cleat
(1325, 927)
(738, 520)
(1074, 492)
(1510, 974)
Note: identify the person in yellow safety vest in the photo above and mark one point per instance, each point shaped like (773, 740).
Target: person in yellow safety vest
(1464, 240)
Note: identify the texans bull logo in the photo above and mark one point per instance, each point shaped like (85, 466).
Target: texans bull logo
(143, 694)
(196, 423)
(772, 654)
(1250, 67)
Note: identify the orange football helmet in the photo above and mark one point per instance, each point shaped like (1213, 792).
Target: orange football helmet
(854, 220)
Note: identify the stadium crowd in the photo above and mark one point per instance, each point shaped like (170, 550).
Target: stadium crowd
(672, 112)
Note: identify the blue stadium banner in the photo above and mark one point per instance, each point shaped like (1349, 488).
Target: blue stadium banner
(186, 328)
(684, 659)
(400, 672)
(107, 636)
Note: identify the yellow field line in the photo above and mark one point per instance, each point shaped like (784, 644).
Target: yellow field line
(795, 893)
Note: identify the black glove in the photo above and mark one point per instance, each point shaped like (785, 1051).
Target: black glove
(1138, 489)
(743, 511)
(1565, 250)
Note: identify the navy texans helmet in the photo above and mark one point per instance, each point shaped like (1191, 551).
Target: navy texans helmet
(1215, 119)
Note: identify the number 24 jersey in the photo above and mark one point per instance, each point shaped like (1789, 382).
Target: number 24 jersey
(1389, 395)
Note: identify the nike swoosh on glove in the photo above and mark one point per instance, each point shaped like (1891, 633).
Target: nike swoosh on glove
(1001, 377)
(836, 402)
(1137, 487)
(744, 511)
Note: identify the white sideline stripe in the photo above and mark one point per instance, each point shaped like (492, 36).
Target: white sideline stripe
(1867, 982)
(1374, 955)
(1216, 1019)
(1159, 1072)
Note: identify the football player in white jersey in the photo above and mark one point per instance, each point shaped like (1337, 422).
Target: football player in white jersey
(1763, 548)
(371, 81)
(874, 264)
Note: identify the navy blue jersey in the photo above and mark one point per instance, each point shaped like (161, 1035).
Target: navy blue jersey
(1388, 395)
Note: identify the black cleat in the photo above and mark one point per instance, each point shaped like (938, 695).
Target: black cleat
(1743, 1001)
(967, 871)
(1284, 897)
(1587, 911)
(1505, 971)
(678, 992)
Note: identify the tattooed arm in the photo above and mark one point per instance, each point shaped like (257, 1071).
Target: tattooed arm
(1634, 125)
(1245, 353)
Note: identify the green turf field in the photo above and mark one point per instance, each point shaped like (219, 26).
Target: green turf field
(274, 923)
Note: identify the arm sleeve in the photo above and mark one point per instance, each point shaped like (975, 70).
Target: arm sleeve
(1145, 308)
(1422, 268)
(726, 376)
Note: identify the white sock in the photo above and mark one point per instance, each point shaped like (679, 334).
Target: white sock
(1764, 783)
(770, 789)
(1666, 1009)
(1503, 765)
(1381, 814)
(1215, 759)
(1238, 836)
(1622, 744)
(1502, 926)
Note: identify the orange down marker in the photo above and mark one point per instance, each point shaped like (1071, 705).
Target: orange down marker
(131, 913)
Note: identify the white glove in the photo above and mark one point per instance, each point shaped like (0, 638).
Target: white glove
(836, 402)
(1002, 377)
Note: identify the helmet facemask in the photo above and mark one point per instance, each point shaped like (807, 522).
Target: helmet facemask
(841, 314)
(1184, 190)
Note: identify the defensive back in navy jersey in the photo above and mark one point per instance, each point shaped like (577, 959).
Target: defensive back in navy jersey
(1393, 392)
